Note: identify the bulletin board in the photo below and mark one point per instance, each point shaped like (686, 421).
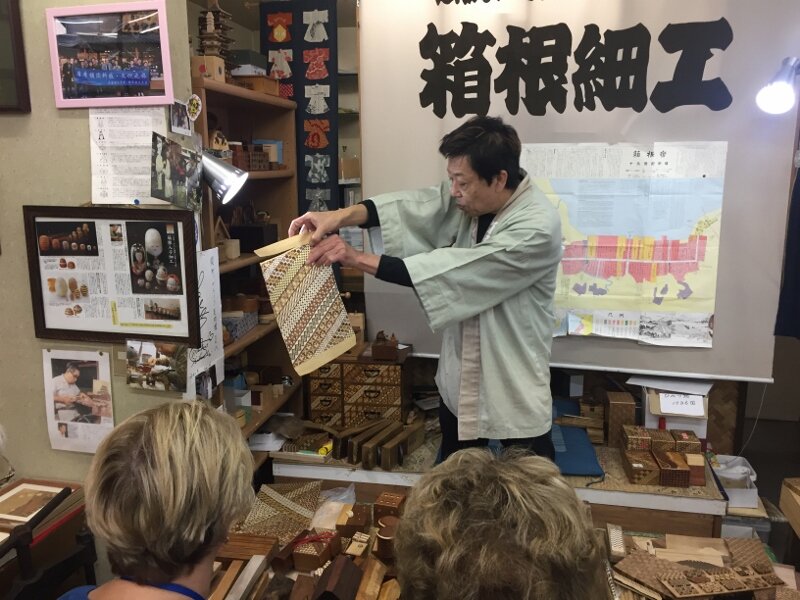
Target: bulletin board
(692, 78)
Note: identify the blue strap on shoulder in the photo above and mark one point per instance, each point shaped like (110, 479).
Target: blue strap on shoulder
(172, 587)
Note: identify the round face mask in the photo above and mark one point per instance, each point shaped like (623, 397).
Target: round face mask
(152, 242)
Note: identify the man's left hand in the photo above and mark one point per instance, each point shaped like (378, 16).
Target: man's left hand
(333, 249)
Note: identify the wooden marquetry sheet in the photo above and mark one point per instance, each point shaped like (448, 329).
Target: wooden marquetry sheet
(307, 305)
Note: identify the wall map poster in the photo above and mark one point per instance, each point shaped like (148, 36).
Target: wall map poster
(640, 226)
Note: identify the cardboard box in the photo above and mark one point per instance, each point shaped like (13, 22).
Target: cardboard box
(738, 478)
(349, 168)
(790, 506)
(652, 414)
(212, 67)
(259, 83)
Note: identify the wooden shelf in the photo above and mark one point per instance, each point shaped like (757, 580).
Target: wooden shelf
(260, 416)
(238, 95)
(244, 260)
(259, 458)
(252, 336)
(276, 174)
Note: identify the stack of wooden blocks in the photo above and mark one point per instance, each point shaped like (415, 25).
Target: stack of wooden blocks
(354, 561)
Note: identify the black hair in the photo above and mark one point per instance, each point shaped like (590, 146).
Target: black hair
(489, 145)
(72, 366)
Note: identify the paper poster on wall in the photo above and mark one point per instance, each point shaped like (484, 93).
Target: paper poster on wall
(121, 142)
(207, 361)
(640, 225)
(78, 399)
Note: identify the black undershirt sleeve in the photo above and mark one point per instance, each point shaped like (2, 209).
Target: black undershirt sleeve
(390, 268)
(372, 215)
(393, 269)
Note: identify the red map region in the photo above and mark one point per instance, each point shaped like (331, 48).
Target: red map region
(644, 258)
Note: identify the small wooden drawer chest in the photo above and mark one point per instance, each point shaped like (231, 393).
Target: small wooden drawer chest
(353, 390)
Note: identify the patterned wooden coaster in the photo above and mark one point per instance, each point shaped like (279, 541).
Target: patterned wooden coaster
(283, 510)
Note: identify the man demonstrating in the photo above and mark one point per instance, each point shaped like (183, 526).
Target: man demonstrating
(481, 254)
(67, 395)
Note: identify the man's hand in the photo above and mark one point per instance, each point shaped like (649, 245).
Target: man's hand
(333, 249)
(319, 224)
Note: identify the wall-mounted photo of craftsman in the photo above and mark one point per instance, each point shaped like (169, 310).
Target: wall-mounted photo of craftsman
(77, 386)
(71, 390)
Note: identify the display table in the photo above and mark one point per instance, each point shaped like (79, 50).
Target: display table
(696, 511)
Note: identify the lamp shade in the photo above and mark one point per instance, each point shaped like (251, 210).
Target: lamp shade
(225, 180)
(778, 96)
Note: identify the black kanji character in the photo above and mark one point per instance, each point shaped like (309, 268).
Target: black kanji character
(539, 58)
(459, 67)
(694, 41)
(614, 70)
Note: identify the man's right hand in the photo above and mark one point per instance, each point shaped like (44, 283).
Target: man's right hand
(319, 224)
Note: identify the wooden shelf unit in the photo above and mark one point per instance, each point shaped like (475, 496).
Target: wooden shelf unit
(252, 336)
(245, 115)
(259, 458)
(262, 414)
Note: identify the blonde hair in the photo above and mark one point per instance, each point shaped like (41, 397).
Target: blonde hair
(508, 527)
(165, 487)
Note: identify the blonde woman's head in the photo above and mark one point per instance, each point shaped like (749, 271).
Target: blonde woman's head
(486, 527)
(165, 487)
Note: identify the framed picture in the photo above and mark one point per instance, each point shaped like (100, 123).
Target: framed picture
(110, 54)
(22, 500)
(14, 96)
(109, 274)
